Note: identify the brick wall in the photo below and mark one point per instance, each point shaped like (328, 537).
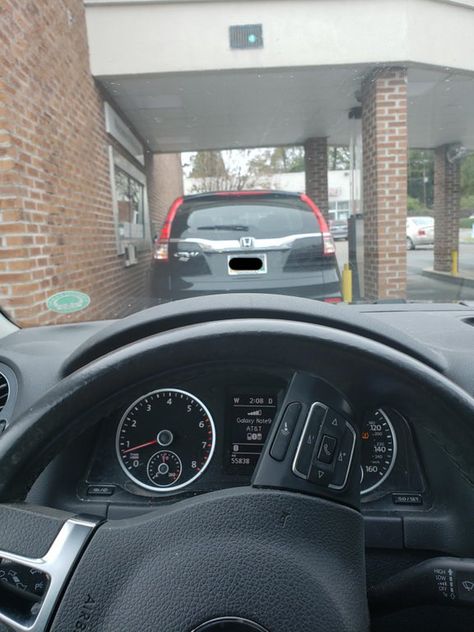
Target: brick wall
(385, 154)
(56, 226)
(316, 172)
(447, 196)
(165, 184)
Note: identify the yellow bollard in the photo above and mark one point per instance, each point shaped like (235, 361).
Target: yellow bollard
(454, 263)
(347, 284)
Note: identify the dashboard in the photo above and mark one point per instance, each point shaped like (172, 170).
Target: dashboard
(412, 494)
(200, 429)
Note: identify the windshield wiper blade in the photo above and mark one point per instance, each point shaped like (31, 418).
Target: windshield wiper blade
(238, 227)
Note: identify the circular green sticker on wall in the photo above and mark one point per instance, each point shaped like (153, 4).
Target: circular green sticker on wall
(68, 302)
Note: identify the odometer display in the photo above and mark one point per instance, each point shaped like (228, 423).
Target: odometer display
(165, 440)
(378, 450)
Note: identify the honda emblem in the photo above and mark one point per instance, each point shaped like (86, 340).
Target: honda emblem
(247, 242)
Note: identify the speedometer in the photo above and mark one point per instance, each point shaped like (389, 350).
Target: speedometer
(165, 440)
(378, 450)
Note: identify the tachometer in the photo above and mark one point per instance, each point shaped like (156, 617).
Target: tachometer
(378, 450)
(165, 440)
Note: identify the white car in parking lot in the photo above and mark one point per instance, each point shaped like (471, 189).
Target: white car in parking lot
(420, 231)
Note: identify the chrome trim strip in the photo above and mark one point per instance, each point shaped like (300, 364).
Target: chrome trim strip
(296, 472)
(226, 245)
(57, 564)
(221, 620)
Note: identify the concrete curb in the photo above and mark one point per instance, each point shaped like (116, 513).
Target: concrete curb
(466, 281)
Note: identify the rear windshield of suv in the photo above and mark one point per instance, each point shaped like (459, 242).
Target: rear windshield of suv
(235, 219)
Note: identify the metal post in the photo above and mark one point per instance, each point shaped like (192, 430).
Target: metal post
(454, 263)
(347, 284)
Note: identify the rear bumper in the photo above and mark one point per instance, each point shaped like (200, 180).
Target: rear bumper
(311, 293)
(324, 283)
(423, 241)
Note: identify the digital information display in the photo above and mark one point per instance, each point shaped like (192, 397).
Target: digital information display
(251, 417)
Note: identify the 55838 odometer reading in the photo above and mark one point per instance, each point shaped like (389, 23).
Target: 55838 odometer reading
(165, 440)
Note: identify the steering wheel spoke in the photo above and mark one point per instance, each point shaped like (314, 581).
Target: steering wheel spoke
(38, 551)
(312, 447)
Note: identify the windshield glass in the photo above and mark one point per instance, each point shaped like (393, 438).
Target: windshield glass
(233, 219)
(155, 151)
(422, 221)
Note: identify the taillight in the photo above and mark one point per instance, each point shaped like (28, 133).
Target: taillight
(329, 247)
(160, 252)
(328, 242)
(421, 232)
(334, 299)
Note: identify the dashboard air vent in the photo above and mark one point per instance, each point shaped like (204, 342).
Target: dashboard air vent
(4, 391)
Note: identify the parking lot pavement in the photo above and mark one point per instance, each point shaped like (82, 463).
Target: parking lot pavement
(422, 288)
(427, 289)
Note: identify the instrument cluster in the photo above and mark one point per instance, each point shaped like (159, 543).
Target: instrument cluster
(207, 432)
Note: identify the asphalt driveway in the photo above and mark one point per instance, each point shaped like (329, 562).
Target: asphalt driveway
(421, 288)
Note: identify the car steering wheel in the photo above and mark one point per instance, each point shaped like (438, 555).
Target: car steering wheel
(282, 554)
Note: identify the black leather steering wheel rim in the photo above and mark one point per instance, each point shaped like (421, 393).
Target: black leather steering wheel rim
(25, 449)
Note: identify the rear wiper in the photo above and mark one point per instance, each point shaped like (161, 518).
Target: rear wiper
(238, 227)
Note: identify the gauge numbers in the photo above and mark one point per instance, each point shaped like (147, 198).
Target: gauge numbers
(165, 440)
(378, 450)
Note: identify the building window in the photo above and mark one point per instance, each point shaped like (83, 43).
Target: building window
(130, 204)
(130, 195)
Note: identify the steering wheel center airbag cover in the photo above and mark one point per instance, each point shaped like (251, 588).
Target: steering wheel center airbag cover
(246, 553)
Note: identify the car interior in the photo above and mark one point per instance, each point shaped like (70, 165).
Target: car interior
(324, 478)
(236, 316)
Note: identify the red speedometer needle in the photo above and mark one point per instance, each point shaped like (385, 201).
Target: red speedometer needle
(138, 447)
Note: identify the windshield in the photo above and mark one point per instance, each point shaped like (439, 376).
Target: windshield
(239, 218)
(155, 151)
(422, 221)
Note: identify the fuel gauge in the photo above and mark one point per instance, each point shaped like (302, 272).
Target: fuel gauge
(164, 468)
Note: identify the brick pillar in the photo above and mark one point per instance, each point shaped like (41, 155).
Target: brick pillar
(447, 195)
(316, 172)
(164, 185)
(384, 173)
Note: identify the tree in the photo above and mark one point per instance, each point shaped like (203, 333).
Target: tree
(222, 171)
(467, 176)
(277, 160)
(339, 158)
(205, 164)
(421, 176)
(291, 160)
(238, 169)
